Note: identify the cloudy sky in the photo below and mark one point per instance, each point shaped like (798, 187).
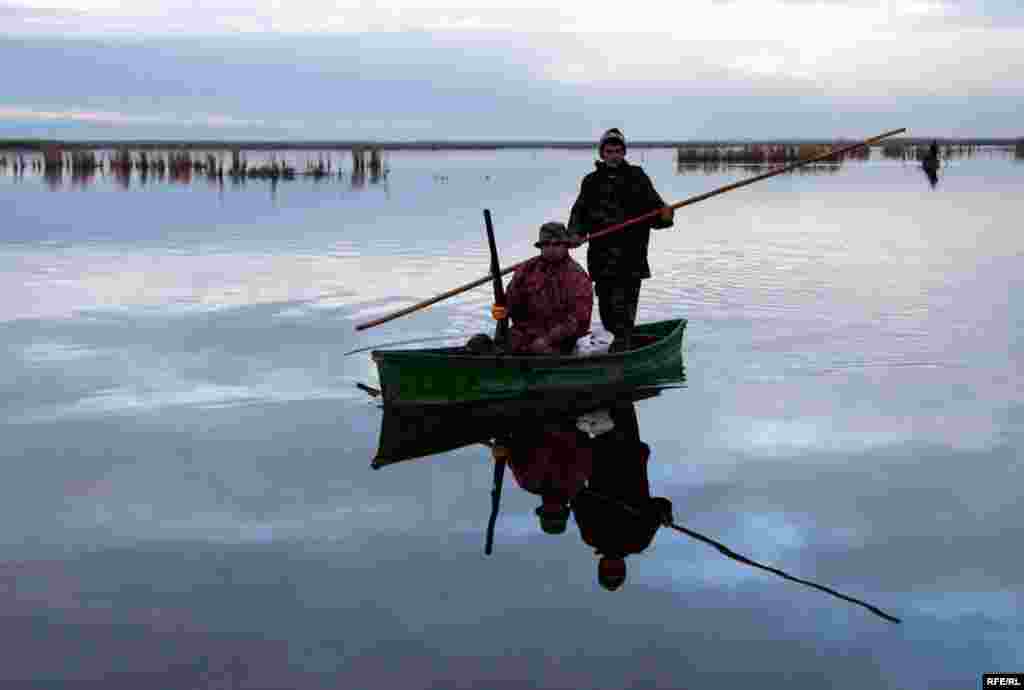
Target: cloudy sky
(453, 69)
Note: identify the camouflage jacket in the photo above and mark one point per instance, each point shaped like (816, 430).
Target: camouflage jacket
(553, 300)
(609, 196)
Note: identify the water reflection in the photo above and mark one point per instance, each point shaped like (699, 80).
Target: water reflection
(579, 453)
(582, 461)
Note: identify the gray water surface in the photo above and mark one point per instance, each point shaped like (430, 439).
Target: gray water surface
(189, 502)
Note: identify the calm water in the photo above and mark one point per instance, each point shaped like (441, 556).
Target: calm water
(189, 501)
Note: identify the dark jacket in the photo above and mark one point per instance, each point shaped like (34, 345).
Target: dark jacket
(619, 473)
(609, 196)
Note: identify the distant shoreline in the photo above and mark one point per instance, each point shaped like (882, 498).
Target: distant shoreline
(326, 145)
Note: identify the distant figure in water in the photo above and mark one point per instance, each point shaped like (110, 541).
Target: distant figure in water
(930, 164)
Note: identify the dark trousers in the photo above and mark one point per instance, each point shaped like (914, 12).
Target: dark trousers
(616, 302)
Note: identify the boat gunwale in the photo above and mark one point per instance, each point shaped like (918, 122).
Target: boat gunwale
(450, 354)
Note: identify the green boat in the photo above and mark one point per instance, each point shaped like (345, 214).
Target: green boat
(450, 375)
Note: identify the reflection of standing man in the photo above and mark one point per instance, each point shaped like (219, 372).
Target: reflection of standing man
(616, 513)
(616, 192)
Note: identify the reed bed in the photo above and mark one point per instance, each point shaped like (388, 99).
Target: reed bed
(763, 154)
(917, 152)
(708, 167)
(319, 168)
(183, 165)
(360, 166)
(17, 164)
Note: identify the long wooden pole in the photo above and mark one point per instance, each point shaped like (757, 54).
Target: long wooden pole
(651, 214)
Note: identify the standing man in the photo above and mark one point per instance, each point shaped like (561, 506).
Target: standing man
(615, 192)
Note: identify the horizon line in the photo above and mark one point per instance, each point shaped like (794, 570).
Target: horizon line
(442, 144)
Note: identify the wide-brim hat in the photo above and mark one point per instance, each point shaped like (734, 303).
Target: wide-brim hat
(552, 232)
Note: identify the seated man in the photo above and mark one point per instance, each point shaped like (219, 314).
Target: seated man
(549, 299)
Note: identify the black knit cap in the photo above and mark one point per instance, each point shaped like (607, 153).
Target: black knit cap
(612, 136)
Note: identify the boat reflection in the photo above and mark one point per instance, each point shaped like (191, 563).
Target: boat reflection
(416, 431)
(580, 454)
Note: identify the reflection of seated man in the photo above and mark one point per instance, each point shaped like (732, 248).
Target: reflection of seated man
(620, 474)
(549, 298)
(554, 463)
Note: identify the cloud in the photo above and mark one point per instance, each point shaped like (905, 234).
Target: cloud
(160, 18)
(669, 78)
(787, 20)
(115, 118)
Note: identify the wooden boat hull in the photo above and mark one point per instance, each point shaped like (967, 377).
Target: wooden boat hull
(445, 376)
(409, 432)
